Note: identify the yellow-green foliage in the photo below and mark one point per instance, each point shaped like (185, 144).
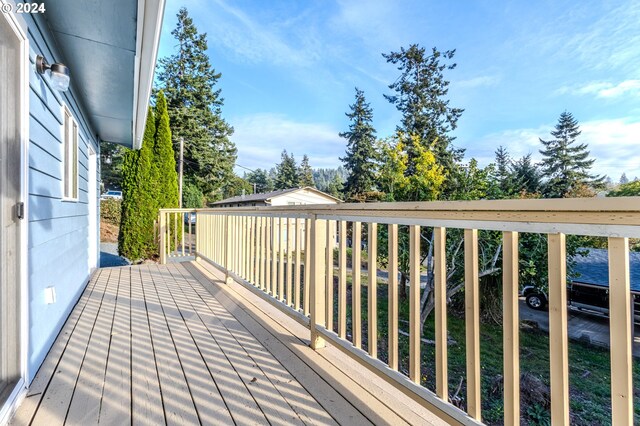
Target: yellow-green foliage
(423, 185)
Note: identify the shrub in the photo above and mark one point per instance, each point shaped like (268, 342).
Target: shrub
(110, 210)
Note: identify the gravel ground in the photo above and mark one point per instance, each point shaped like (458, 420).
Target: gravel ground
(109, 256)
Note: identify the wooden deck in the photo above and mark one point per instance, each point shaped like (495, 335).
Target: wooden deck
(174, 345)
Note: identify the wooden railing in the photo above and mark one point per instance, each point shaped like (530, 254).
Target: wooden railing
(286, 255)
(176, 233)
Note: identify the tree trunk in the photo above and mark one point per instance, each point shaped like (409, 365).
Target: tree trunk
(403, 286)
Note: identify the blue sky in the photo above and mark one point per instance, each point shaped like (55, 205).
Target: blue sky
(289, 69)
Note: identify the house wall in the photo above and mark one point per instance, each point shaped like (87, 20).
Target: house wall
(58, 252)
(301, 197)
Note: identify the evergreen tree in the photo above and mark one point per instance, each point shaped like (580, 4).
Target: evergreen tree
(305, 174)
(566, 164)
(525, 176)
(166, 180)
(334, 188)
(503, 174)
(260, 180)
(326, 178)
(139, 205)
(236, 186)
(194, 105)
(286, 172)
(361, 155)
(420, 95)
(192, 197)
(624, 179)
(111, 159)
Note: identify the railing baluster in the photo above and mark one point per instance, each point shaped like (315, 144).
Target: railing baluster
(261, 252)
(342, 281)
(274, 255)
(472, 321)
(289, 268)
(253, 252)
(440, 295)
(163, 245)
(282, 223)
(620, 326)
(414, 303)
(329, 274)
(298, 270)
(319, 245)
(267, 256)
(356, 265)
(511, 339)
(175, 234)
(558, 343)
(307, 264)
(181, 230)
(372, 289)
(392, 270)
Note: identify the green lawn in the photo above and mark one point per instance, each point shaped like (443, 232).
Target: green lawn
(589, 366)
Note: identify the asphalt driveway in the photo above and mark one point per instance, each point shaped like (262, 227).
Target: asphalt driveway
(584, 327)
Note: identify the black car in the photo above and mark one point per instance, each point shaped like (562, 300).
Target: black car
(589, 291)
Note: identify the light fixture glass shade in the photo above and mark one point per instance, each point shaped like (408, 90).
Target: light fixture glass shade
(59, 81)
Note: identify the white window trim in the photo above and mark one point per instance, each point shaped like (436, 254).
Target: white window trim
(70, 141)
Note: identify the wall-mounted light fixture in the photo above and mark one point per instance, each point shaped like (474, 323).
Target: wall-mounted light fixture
(59, 73)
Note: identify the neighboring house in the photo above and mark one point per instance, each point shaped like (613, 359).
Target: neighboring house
(49, 150)
(283, 197)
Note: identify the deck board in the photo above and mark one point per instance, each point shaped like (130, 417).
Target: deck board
(172, 345)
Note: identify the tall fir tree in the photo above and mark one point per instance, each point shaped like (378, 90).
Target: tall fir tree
(624, 179)
(139, 203)
(305, 174)
(286, 172)
(194, 105)
(260, 180)
(166, 180)
(565, 163)
(502, 176)
(360, 159)
(421, 96)
(525, 176)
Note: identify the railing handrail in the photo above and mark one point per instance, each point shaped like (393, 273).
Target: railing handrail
(596, 204)
(580, 216)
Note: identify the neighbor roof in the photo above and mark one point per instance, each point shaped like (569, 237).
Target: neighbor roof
(594, 268)
(266, 196)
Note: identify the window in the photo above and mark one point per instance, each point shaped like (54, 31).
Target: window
(70, 159)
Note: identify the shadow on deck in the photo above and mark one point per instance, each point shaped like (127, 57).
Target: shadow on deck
(172, 344)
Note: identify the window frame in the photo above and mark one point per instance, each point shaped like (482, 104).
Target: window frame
(70, 157)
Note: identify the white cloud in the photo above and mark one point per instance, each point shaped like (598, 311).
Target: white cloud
(255, 42)
(604, 89)
(261, 138)
(480, 81)
(613, 143)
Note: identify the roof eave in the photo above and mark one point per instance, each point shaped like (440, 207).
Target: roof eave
(149, 27)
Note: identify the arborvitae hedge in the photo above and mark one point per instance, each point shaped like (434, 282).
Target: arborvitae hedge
(139, 206)
(164, 159)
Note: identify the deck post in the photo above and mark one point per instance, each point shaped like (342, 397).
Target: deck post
(318, 288)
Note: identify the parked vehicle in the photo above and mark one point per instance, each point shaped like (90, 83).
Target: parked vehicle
(588, 298)
(117, 195)
(190, 218)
